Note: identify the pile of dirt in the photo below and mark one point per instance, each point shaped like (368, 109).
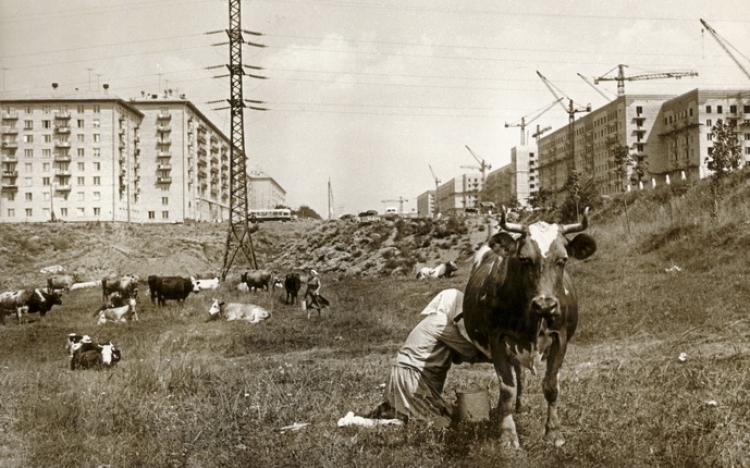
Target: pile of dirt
(93, 250)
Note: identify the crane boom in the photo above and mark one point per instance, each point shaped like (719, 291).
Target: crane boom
(621, 78)
(595, 88)
(551, 89)
(525, 122)
(725, 45)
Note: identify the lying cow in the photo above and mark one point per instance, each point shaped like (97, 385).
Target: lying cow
(95, 356)
(63, 282)
(446, 270)
(236, 311)
(75, 342)
(207, 283)
(118, 314)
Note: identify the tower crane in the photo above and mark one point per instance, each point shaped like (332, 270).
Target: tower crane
(525, 122)
(571, 110)
(726, 45)
(483, 166)
(400, 200)
(621, 78)
(595, 88)
(435, 199)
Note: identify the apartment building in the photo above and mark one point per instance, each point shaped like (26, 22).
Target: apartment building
(515, 181)
(92, 156)
(426, 204)
(459, 193)
(263, 191)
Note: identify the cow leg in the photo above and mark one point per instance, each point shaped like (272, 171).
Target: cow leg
(519, 386)
(507, 378)
(552, 428)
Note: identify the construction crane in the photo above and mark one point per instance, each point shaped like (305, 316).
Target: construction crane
(400, 200)
(539, 132)
(525, 122)
(435, 199)
(571, 110)
(483, 166)
(588, 82)
(726, 45)
(621, 78)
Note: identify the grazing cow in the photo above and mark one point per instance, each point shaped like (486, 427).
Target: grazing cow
(172, 288)
(28, 301)
(208, 283)
(118, 314)
(63, 282)
(258, 279)
(521, 306)
(446, 270)
(235, 311)
(95, 356)
(292, 285)
(126, 285)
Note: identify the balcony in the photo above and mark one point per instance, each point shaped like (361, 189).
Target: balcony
(10, 186)
(202, 162)
(163, 180)
(8, 130)
(163, 154)
(62, 158)
(62, 173)
(10, 115)
(10, 174)
(164, 116)
(214, 170)
(62, 128)
(10, 144)
(164, 142)
(163, 128)
(163, 167)
(62, 188)
(201, 138)
(62, 115)
(62, 144)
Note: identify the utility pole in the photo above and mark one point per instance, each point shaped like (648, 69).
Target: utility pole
(238, 235)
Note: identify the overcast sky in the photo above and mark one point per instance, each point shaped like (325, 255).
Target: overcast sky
(370, 93)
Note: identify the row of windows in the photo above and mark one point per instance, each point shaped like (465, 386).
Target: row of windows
(79, 212)
(29, 124)
(80, 196)
(95, 108)
(46, 167)
(732, 109)
(28, 153)
(80, 138)
(47, 181)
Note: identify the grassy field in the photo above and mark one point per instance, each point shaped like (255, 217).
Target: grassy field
(666, 280)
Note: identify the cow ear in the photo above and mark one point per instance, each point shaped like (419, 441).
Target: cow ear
(503, 244)
(581, 247)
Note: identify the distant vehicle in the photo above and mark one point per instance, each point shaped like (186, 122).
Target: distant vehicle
(346, 216)
(280, 214)
(368, 213)
(369, 216)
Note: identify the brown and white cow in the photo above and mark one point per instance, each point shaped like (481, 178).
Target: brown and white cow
(237, 311)
(27, 301)
(520, 306)
(63, 282)
(118, 314)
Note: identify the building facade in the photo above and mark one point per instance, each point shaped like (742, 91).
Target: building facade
(426, 204)
(514, 182)
(96, 157)
(459, 193)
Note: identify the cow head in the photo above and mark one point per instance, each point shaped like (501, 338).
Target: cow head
(539, 255)
(196, 286)
(107, 352)
(214, 311)
(450, 268)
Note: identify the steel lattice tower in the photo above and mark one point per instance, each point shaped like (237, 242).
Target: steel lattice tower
(238, 235)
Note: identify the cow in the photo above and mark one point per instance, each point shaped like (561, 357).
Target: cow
(27, 301)
(126, 285)
(95, 356)
(173, 288)
(208, 283)
(236, 311)
(292, 285)
(521, 306)
(445, 270)
(258, 279)
(118, 314)
(75, 342)
(63, 282)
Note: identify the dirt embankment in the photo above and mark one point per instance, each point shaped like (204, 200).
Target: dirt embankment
(93, 250)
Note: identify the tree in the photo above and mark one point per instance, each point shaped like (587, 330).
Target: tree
(580, 194)
(540, 198)
(723, 158)
(305, 211)
(640, 167)
(622, 160)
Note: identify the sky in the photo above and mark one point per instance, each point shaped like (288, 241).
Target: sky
(376, 95)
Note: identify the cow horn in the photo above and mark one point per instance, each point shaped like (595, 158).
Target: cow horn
(578, 227)
(512, 227)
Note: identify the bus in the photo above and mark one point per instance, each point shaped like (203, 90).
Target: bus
(280, 214)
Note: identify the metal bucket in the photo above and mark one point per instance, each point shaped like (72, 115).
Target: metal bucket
(472, 405)
(304, 304)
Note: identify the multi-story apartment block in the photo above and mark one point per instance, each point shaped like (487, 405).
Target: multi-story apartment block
(97, 157)
(515, 181)
(426, 204)
(263, 192)
(673, 133)
(459, 193)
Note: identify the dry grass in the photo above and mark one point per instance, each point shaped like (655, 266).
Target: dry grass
(196, 394)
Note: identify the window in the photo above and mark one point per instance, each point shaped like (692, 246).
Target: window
(165, 215)
(46, 153)
(747, 150)
(64, 212)
(691, 112)
(709, 136)
(45, 167)
(29, 196)
(27, 182)
(96, 123)
(80, 123)
(29, 212)
(97, 211)
(28, 138)
(27, 110)
(96, 137)
(97, 152)
(165, 200)
(151, 215)
(747, 136)
(45, 181)
(97, 180)
(97, 196)
(732, 109)
(97, 109)
(80, 181)
(28, 153)
(80, 196)
(48, 138)
(46, 124)
(81, 152)
(639, 148)
(709, 123)
(11, 196)
(28, 125)
(28, 167)
(80, 138)
(80, 109)
(81, 166)
(708, 109)
(719, 110)
(97, 166)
